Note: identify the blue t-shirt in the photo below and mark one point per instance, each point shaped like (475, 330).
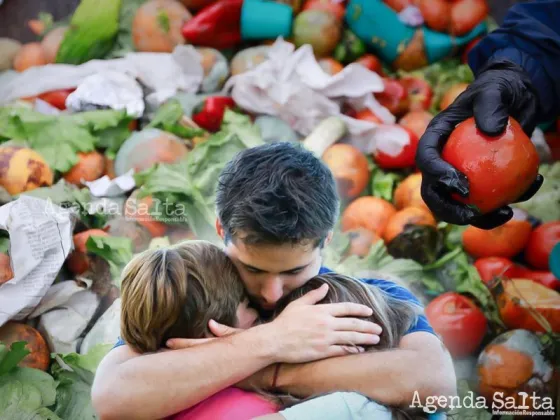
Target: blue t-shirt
(393, 290)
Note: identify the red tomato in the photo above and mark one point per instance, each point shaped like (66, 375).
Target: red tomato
(468, 49)
(57, 98)
(542, 240)
(394, 97)
(405, 159)
(459, 322)
(492, 267)
(371, 62)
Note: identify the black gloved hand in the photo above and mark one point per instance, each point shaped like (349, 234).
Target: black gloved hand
(501, 90)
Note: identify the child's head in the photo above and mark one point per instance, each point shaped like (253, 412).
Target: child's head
(394, 316)
(173, 292)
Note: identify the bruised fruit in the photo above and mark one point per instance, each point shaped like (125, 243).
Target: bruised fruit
(39, 356)
(23, 169)
(78, 262)
(499, 169)
(90, 166)
(436, 14)
(449, 97)
(522, 302)
(414, 54)
(367, 212)
(394, 97)
(361, 240)
(408, 216)
(138, 234)
(6, 273)
(157, 26)
(350, 169)
(416, 121)
(466, 15)
(506, 241)
(419, 93)
(318, 28)
(145, 148)
(408, 193)
(139, 209)
(514, 365)
(543, 238)
(460, 323)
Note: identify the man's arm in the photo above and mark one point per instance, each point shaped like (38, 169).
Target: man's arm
(128, 385)
(421, 363)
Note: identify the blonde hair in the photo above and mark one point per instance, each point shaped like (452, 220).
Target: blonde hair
(172, 292)
(395, 316)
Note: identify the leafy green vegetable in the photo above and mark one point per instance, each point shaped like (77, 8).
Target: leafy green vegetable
(441, 76)
(92, 32)
(74, 373)
(545, 204)
(168, 118)
(124, 43)
(383, 183)
(117, 251)
(25, 393)
(58, 138)
(70, 196)
(111, 139)
(191, 183)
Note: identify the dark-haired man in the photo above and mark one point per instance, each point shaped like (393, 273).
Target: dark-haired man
(277, 205)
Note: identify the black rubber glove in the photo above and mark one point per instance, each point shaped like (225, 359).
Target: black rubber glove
(501, 89)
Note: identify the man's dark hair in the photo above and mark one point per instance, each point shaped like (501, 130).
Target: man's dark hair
(275, 194)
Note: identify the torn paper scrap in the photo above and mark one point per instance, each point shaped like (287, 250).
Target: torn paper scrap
(108, 90)
(162, 74)
(291, 84)
(40, 240)
(107, 187)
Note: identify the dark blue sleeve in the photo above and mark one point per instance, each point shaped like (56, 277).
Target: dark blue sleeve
(399, 292)
(529, 37)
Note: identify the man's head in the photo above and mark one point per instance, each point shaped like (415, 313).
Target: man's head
(277, 205)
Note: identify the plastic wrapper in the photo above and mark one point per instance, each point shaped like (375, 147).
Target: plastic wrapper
(108, 90)
(273, 129)
(106, 330)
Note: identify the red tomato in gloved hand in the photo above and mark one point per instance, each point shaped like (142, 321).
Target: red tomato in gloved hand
(459, 322)
(56, 98)
(542, 240)
(405, 159)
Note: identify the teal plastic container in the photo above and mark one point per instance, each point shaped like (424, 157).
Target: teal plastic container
(380, 28)
(262, 19)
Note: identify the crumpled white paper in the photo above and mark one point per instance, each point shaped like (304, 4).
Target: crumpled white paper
(40, 240)
(290, 84)
(108, 89)
(163, 74)
(107, 187)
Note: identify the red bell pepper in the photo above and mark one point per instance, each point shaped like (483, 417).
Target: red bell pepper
(216, 26)
(210, 113)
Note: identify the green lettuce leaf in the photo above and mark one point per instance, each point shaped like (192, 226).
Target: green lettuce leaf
(58, 138)
(383, 183)
(74, 374)
(191, 183)
(25, 393)
(168, 118)
(545, 204)
(117, 251)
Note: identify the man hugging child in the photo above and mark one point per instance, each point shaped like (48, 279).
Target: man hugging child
(173, 292)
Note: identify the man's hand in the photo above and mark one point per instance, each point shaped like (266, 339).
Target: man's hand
(307, 331)
(501, 90)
